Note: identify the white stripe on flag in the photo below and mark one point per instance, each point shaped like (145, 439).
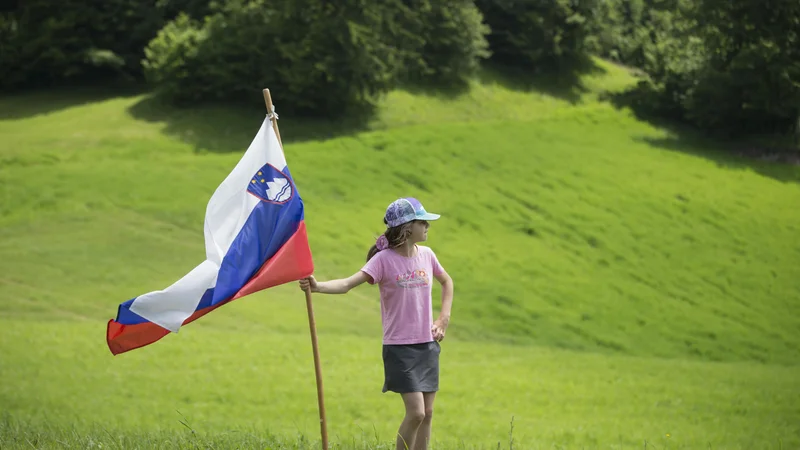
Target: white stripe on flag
(170, 307)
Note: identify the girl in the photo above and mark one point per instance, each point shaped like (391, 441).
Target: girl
(402, 269)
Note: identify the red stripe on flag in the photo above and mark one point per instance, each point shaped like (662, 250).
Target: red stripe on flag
(292, 262)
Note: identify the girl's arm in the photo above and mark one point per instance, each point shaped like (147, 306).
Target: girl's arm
(440, 325)
(340, 286)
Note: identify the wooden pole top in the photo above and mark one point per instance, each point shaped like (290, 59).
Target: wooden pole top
(272, 115)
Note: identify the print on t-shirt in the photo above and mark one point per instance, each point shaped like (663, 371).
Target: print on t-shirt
(413, 279)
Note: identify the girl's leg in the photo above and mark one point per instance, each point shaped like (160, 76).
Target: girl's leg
(415, 415)
(424, 430)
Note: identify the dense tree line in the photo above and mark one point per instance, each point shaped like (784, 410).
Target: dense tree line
(730, 67)
(726, 66)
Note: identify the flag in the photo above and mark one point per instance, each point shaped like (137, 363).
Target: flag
(255, 238)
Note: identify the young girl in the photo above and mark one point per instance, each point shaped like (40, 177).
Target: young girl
(403, 270)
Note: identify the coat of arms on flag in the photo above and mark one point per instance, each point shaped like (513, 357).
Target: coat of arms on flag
(270, 185)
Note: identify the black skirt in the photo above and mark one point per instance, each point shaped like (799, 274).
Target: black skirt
(411, 367)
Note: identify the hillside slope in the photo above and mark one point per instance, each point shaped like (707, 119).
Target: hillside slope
(566, 223)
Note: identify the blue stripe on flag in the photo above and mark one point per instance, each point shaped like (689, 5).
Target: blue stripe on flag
(267, 229)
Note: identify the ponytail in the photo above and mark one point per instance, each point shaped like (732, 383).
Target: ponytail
(372, 252)
(396, 237)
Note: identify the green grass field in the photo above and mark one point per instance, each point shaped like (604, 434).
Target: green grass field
(618, 285)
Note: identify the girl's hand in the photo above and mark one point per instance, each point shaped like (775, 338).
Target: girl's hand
(309, 282)
(438, 330)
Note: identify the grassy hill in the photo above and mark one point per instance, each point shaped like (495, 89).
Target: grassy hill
(615, 282)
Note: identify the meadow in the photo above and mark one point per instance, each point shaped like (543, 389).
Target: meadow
(619, 283)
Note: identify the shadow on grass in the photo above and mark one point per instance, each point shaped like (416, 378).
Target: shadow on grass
(728, 155)
(562, 82)
(22, 104)
(436, 89)
(775, 157)
(222, 128)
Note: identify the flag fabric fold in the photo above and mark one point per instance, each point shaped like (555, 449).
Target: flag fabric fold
(255, 238)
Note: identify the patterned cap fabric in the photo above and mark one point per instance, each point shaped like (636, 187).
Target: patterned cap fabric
(405, 210)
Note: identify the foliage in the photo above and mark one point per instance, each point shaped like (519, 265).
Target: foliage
(729, 68)
(337, 56)
(637, 33)
(447, 42)
(196, 9)
(323, 57)
(84, 40)
(544, 34)
(751, 80)
(222, 58)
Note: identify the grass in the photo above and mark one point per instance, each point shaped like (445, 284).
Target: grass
(616, 282)
(222, 382)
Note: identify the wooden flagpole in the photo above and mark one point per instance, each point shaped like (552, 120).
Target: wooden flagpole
(311, 322)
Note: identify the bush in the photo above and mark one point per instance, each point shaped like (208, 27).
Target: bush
(172, 63)
(228, 56)
(323, 57)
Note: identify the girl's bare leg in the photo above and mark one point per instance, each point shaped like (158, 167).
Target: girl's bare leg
(424, 431)
(415, 415)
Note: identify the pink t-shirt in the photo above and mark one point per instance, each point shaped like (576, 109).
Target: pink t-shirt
(406, 284)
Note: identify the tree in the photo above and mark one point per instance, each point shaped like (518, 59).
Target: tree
(729, 68)
(544, 34)
(84, 40)
(445, 41)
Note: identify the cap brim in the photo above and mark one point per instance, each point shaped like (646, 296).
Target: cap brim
(428, 216)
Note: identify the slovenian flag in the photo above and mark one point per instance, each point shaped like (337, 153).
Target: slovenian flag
(255, 238)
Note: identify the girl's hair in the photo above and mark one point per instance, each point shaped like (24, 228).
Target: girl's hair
(396, 236)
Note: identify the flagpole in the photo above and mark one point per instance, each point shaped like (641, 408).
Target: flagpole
(311, 322)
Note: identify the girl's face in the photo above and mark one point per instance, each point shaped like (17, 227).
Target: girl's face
(419, 231)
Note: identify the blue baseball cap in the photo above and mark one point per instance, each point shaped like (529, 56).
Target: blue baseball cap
(404, 210)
